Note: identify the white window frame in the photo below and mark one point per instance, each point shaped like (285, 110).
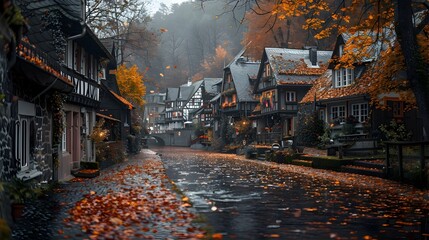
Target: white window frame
(338, 113)
(22, 142)
(322, 114)
(360, 111)
(343, 77)
(290, 96)
(70, 53)
(341, 50)
(64, 137)
(267, 70)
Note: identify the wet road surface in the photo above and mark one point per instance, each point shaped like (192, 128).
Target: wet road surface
(250, 199)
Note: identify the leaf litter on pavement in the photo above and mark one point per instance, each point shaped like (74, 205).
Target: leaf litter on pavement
(139, 205)
(348, 200)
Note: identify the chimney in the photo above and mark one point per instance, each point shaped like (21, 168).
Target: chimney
(241, 59)
(189, 82)
(313, 56)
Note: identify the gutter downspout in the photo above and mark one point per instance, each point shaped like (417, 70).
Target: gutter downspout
(82, 23)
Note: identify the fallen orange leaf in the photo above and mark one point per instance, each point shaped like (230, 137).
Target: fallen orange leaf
(217, 236)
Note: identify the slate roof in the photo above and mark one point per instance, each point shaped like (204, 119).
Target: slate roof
(210, 85)
(73, 25)
(293, 66)
(241, 72)
(122, 99)
(187, 92)
(215, 98)
(172, 94)
(72, 9)
(367, 54)
(323, 88)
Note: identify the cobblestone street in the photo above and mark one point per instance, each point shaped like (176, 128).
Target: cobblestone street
(132, 200)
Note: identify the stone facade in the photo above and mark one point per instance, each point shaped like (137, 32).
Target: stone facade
(6, 164)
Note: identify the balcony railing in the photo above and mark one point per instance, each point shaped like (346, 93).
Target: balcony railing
(41, 59)
(84, 87)
(271, 108)
(290, 106)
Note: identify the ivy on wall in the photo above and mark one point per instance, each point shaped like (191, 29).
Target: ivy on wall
(52, 22)
(58, 115)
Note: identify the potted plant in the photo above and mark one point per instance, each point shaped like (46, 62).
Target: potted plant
(19, 193)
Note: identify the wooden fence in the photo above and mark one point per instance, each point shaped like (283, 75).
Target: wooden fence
(408, 162)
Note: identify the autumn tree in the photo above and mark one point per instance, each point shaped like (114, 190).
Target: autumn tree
(130, 83)
(213, 66)
(407, 19)
(267, 30)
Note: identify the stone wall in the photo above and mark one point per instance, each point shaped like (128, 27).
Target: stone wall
(6, 165)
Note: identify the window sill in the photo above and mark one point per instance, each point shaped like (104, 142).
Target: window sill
(28, 174)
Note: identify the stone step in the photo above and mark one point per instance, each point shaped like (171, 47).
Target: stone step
(363, 170)
(306, 163)
(369, 164)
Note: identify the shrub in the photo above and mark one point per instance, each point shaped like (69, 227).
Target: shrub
(395, 131)
(134, 144)
(285, 156)
(309, 129)
(110, 151)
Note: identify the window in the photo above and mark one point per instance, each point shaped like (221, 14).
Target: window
(343, 77)
(77, 58)
(322, 114)
(290, 97)
(341, 50)
(228, 78)
(69, 54)
(22, 142)
(64, 137)
(267, 70)
(398, 109)
(338, 113)
(360, 111)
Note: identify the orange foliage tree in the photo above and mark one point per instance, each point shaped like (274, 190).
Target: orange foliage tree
(267, 30)
(213, 66)
(407, 19)
(130, 83)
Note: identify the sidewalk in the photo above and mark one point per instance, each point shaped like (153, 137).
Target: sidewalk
(131, 200)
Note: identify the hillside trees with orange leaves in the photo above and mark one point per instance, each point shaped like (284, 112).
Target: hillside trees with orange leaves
(267, 30)
(213, 65)
(407, 19)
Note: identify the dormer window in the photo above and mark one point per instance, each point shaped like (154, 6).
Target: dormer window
(229, 78)
(343, 77)
(341, 50)
(267, 70)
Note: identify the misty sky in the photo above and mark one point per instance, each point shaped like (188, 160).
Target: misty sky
(153, 5)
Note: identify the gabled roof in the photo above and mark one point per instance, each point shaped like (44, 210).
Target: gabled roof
(293, 66)
(215, 98)
(323, 88)
(188, 91)
(368, 52)
(172, 94)
(72, 9)
(116, 96)
(210, 85)
(242, 71)
(122, 100)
